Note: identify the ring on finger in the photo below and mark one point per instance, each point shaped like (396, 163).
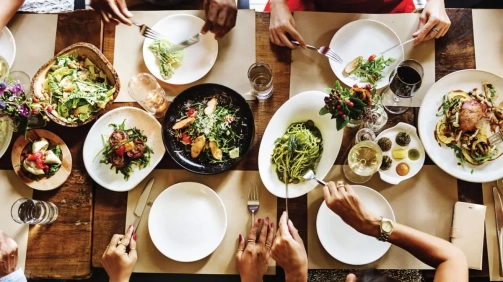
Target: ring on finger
(267, 245)
(240, 250)
(251, 241)
(340, 184)
(120, 243)
(435, 29)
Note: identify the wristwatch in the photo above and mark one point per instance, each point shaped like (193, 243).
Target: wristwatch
(385, 228)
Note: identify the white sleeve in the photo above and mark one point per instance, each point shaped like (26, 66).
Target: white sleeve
(16, 276)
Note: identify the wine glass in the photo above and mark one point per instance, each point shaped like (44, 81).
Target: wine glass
(363, 161)
(404, 81)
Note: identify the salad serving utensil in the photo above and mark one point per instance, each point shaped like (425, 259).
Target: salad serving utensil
(253, 201)
(311, 176)
(184, 44)
(324, 50)
(400, 44)
(147, 32)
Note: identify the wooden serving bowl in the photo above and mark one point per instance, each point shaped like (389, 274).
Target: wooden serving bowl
(95, 55)
(22, 145)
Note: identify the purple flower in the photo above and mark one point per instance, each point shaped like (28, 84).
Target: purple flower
(2, 105)
(3, 86)
(24, 111)
(16, 88)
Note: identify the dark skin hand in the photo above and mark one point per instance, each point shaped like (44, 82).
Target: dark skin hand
(220, 17)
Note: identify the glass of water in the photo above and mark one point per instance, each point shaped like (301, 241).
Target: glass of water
(145, 90)
(260, 76)
(29, 211)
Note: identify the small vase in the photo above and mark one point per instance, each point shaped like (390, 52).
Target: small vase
(354, 123)
(378, 118)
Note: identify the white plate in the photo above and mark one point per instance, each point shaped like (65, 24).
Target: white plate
(346, 244)
(198, 58)
(302, 107)
(7, 46)
(443, 156)
(6, 137)
(364, 38)
(101, 173)
(390, 175)
(187, 222)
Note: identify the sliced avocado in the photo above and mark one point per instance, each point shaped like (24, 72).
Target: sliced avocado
(234, 153)
(82, 109)
(88, 62)
(459, 94)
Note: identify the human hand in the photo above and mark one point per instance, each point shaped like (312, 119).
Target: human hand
(8, 255)
(253, 260)
(433, 23)
(282, 25)
(344, 202)
(115, 11)
(117, 262)
(288, 251)
(220, 17)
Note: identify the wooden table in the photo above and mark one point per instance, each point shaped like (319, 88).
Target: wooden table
(90, 215)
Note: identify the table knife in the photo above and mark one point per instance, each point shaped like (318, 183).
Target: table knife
(184, 44)
(391, 48)
(142, 203)
(498, 211)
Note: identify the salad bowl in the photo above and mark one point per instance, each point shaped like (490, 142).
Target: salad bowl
(97, 59)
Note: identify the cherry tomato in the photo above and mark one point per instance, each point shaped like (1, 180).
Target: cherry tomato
(49, 109)
(368, 87)
(186, 139)
(120, 150)
(371, 58)
(117, 137)
(138, 149)
(191, 112)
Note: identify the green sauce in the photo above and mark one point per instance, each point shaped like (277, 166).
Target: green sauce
(414, 154)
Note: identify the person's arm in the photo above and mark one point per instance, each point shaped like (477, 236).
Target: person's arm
(282, 25)
(9, 8)
(433, 23)
(449, 261)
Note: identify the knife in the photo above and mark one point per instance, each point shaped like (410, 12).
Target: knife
(400, 44)
(498, 211)
(184, 44)
(142, 203)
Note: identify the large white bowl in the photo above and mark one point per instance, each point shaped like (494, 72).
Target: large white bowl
(7, 46)
(187, 222)
(364, 38)
(443, 156)
(198, 58)
(344, 243)
(302, 107)
(101, 173)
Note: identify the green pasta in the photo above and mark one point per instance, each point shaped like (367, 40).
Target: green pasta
(297, 151)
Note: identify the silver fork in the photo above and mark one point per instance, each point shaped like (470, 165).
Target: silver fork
(496, 138)
(253, 200)
(147, 32)
(324, 50)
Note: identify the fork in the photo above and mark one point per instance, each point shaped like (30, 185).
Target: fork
(496, 138)
(253, 201)
(147, 32)
(324, 50)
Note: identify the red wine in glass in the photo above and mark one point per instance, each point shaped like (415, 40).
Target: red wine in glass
(405, 81)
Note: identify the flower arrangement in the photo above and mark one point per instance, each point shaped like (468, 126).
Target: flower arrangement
(348, 104)
(17, 105)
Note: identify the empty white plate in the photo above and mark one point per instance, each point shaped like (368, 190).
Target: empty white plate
(364, 38)
(7, 46)
(198, 58)
(346, 244)
(187, 222)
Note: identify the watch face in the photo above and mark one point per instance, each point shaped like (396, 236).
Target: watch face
(387, 226)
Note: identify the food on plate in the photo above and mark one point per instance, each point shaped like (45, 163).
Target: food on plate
(168, 61)
(124, 149)
(386, 163)
(399, 154)
(369, 70)
(467, 119)
(75, 88)
(209, 130)
(402, 169)
(414, 154)
(42, 159)
(384, 143)
(402, 139)
(297, 151)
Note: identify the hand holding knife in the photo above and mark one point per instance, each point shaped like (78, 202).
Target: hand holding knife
(142, 203)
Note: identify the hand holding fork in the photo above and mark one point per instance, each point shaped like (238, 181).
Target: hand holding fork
(253, 201)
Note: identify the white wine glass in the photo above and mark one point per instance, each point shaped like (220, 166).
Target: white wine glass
(363, 161)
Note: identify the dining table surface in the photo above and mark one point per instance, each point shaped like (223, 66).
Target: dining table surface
(89, 215)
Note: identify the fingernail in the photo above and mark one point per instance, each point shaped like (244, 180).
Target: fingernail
(240, 238)
(272, 225)
(130, 226)
(134, 236)
(259, 220)
(267, 218)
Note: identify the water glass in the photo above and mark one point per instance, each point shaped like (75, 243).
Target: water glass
(260, 76)
(404, 81)
(145, 90)
(29, 211)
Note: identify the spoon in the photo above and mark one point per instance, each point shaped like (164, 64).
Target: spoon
(310, 176)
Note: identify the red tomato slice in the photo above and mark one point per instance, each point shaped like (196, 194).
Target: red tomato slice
(371, 58)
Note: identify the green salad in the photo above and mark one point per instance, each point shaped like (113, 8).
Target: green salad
(76, 88)
(168, 61)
